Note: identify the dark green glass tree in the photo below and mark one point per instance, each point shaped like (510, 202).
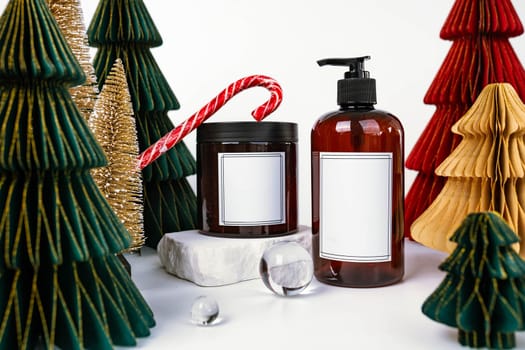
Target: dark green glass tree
(124, 29)
(483, 293)
(61, 283)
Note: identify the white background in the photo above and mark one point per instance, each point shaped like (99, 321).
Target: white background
(210, 43)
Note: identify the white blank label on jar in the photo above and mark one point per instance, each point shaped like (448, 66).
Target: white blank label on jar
(251, 188)
(355, 206)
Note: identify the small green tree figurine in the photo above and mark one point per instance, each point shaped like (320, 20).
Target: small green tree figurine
(483, 293)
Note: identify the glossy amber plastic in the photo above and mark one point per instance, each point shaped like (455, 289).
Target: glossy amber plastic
(360, 129)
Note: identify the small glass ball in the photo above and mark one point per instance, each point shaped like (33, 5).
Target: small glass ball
(204, 311)
(286, 268)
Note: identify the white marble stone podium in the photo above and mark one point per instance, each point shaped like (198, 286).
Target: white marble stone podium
(213, 261)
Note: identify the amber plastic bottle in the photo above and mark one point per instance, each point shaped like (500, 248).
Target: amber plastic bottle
(357, 187)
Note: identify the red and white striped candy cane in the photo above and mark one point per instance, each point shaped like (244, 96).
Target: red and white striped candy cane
(178, 133)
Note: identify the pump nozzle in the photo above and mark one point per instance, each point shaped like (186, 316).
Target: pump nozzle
(356, 66)
(357, 87)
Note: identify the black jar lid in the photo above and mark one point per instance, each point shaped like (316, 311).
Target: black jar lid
(247, 132)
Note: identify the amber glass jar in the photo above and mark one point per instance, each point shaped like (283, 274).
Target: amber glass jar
(247, 179)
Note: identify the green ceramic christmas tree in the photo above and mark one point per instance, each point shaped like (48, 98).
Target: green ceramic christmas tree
(124, 29)
(61, 283)
(483, 293)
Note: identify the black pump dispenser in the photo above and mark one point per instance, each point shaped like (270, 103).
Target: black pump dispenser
(357, 88)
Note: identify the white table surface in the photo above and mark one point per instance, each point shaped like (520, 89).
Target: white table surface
(322, 317)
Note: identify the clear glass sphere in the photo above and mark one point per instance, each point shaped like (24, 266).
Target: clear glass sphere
(286, 268)
(204, 311)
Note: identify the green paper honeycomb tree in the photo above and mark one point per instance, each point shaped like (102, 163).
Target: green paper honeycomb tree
(483, 293)
(124, 29)
(61, 283)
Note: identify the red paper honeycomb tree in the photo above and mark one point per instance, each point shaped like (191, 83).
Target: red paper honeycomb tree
(480, 54)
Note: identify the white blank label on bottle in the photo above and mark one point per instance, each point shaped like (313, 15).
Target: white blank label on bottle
(355, 206)
(251, 188)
